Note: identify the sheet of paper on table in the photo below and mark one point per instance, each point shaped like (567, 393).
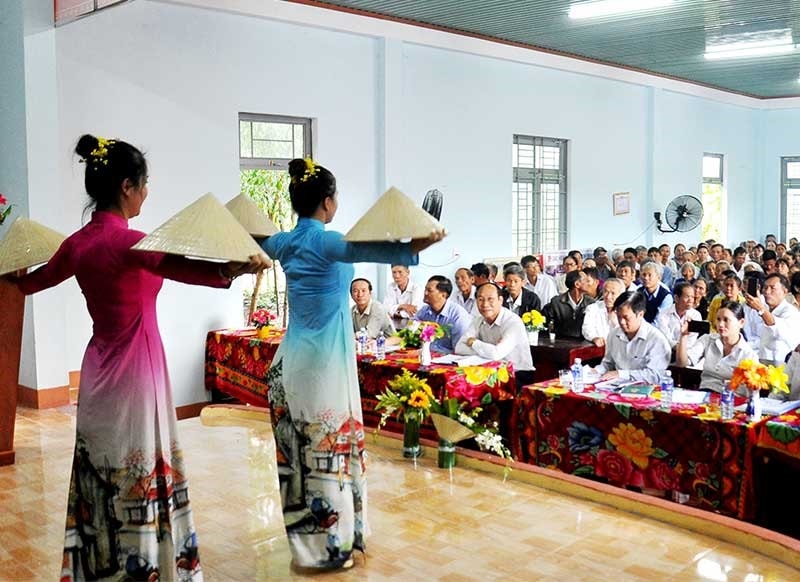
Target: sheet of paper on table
(590, 376)
(460, 360)
(684, 396)
(772, 406)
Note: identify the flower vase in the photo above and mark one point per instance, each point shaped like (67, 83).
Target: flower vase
(411, 447)
(447, 454)
(533, 338)
(425, 354)
(263, 332)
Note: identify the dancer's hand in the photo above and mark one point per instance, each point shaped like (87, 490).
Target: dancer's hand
(420, 244)
(257, 263)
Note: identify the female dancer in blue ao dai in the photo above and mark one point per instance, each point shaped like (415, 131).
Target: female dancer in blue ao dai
(314, 395)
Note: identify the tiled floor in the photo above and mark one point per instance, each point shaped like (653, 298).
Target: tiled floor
(424, 526)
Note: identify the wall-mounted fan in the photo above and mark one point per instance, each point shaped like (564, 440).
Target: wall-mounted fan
(432, 204)
(683, 214)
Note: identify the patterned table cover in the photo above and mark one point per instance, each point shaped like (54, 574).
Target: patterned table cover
(782, 434)
(631, 442)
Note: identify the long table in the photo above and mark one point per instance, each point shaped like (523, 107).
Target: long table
(550, 357)
(633, 443)
(237, 362)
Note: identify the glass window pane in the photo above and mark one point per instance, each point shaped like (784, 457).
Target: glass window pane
(712, 211)
(272, 149)
(712, 167)
(793, 170)
(548, 157)
(298, 142)
(245, 134)
(524, 157)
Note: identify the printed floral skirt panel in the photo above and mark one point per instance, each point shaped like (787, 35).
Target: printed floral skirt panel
(321, 473)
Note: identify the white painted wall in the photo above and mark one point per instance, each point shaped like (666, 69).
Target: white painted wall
(172, 79)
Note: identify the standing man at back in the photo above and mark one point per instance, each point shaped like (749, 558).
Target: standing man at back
(403, 297)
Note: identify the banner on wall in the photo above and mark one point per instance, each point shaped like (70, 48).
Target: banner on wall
(66, 10)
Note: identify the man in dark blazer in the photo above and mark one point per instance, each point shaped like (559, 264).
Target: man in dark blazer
(515, 297)
(566, 311)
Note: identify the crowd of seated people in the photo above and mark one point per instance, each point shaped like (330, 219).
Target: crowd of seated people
(637, 302)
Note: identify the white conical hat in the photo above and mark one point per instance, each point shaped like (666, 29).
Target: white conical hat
(204, 229)
(449, 429)
(27, 243)
(393, 217)
(250, 216)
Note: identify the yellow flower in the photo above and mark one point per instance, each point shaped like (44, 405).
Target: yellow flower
(418, 399)
(747, 364)
(777, 378)
(537, 318)
(476, 375)
(502, 374)
(426, 388)
(526, 317)
(632, 442)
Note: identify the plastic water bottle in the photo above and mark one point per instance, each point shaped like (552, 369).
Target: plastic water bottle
(577, 376)
(667, 386)
(361, 338)
(726, 402)
(754, 406)
(380, 347)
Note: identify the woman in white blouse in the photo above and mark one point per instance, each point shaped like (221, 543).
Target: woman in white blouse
(720, 352)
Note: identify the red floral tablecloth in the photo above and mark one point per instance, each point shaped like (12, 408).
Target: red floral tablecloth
(782, 433)
(632, 443)
(237, 362)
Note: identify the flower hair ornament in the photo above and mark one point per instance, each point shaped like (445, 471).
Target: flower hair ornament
(99, 155)
(311, 170)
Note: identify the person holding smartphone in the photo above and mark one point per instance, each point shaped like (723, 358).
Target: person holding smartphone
(717, 353)
(772, 325)
(670, 322)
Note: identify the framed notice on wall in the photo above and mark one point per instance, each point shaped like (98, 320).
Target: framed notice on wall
(622, 203)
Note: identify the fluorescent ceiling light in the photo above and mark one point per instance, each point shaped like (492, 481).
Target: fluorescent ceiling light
(611, 7)
(748, 45)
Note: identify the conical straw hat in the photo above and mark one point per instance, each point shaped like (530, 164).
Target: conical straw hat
(449, 429)
(27, 243)
(251, 217)
(204, 229)
(393, 217)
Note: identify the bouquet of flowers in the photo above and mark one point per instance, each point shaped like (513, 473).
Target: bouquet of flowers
(417, 332)
(534, 321)
(757, 376)
(262, 318)
(487, 435)
(4, 212)
(407, 395)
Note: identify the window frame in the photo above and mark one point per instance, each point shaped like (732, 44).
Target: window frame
(786, 185)
(719, 180)
(273, 163)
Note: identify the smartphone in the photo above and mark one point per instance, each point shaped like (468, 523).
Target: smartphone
(752, 286)
(701, 327)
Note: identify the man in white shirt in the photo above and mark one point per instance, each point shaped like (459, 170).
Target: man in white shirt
(496, 334)
(535, 280)
(772, 325)
(637, 350)
(368, 314)
(600, 317)
(465, 291)
(670, 322)
(626, 272)
(403, 297)
(658, 295)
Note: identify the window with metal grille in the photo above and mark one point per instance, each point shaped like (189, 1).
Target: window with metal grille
(790, 197)
(713, 197)
(271, 141)
(539, 192)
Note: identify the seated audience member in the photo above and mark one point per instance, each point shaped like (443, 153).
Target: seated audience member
(516, 298)
(688, 274)
(670, 322)
(448, 314)
(592, 286)
(629, 254)
(731, 287)
(793, 371)
(369, 314)
(783, 267)
(641, 254)
(535, 280)
(465, 297)
(668, 263)
(626, 271)
(771, 324)
(739, 261)
(636, 350)
(497, 334)
(700, 300)
(600, 317)
(566, 312)
(768, 262)
(780, 250)
(794, 288)
(604, 269)
(482, 273)
(494, 274)
(403, 297)
(677, 254)
(568, 265)
(717, 353)
(658, 296)
(617, 256)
